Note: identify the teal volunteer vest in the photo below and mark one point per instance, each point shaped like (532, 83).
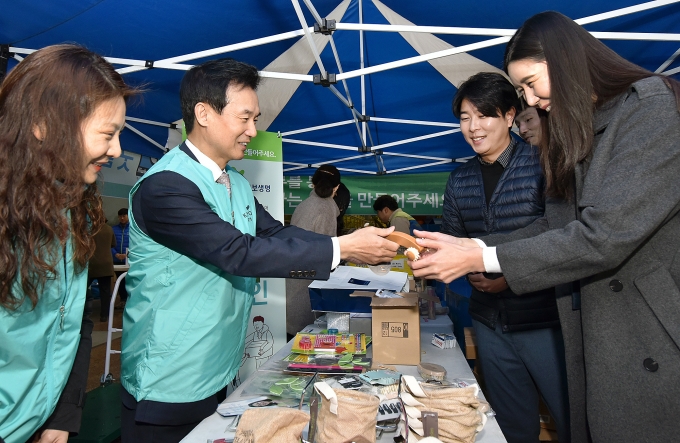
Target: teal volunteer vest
(37, 350)
(185, 322)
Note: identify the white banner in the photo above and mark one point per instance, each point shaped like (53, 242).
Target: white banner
(262, 166)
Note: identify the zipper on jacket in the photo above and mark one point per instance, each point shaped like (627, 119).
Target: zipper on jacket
(62, 308)
(62, 312)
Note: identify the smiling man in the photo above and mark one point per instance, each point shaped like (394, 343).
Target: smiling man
(198, 238)
(519, 340)
(530, 123)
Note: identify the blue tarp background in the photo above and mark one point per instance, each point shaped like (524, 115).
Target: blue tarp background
(154, 30)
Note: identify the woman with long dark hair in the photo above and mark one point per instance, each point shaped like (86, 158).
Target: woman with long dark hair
(611, 235)
(61, 112)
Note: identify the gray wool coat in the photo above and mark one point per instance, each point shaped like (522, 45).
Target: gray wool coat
(621, 243)
(318, 215)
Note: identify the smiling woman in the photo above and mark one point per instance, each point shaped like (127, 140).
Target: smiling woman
(610, 238)
(101, 136)
(61, 112)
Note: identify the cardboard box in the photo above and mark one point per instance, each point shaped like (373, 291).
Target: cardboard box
(547, 422)
(547, 435)
(395, 328)
(470, 343)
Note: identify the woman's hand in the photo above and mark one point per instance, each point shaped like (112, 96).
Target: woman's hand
(448, 257)
(52, 436)
(481, 283)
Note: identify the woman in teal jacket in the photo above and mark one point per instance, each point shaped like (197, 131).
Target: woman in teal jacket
(61, 113)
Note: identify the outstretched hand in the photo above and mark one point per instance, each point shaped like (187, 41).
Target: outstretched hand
(447, 258)
(367, 245)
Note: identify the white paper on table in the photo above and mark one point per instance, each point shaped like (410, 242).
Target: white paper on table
(339, 279)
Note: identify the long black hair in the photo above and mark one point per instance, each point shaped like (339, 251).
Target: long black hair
(584, 74)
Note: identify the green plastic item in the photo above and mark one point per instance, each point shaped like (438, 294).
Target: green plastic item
(276, 390)
(287, 381)
(345, 359)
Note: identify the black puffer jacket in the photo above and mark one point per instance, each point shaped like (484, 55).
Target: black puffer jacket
(516, 202)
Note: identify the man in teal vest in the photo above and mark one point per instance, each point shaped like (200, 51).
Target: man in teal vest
(389, 213)
(198, 239)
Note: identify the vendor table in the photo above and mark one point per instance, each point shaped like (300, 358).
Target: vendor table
(453, 360)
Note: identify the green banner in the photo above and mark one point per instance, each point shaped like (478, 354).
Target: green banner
(266, 146)
(417, 194)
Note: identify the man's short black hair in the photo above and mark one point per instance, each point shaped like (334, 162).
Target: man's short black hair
(385, 201)
(123, 211)
(208, 83)
(491, 93)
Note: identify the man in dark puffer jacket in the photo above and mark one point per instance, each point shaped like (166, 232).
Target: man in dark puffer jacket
(519, 340)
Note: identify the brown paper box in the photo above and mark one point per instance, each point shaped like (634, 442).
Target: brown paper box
(396, 327)
(470, 343)
(547, 422)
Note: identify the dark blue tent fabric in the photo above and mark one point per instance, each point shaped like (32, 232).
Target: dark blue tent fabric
(155, 30)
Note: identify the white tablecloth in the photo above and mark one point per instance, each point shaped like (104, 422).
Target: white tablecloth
(453, 360)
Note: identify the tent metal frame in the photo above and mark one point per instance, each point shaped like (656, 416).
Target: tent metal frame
(358, 119)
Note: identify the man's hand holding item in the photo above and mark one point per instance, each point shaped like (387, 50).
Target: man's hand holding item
(367, 245)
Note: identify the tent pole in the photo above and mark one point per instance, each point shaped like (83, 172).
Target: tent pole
(424, 157)
(668, 62)
(220, 50)
(364, 125)
(348, 101)
(319, 144)
(642, 36)
(495, 32)
(299, 166)
(415, 122)
(415, 139)
(427, 165)
(624, 11)
(424, 29)
(316, 128)
(144, 136)
(310, 40)
(149, 122)
(423, 58)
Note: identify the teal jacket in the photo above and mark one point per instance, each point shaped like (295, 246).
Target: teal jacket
(37, 350)
(185, 322)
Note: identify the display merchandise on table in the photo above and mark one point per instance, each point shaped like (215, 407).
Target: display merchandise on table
(327, 343)
(272, 387)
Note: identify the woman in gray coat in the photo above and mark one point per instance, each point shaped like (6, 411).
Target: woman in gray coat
(318, 213)
(610, 238)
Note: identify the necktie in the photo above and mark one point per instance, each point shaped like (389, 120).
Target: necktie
(224, 180)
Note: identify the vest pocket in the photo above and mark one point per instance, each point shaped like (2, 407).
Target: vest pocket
(170, 327)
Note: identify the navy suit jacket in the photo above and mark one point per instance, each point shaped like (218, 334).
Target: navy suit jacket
(171, 210)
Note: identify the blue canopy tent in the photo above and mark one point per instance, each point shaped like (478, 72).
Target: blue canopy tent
(370, 92)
